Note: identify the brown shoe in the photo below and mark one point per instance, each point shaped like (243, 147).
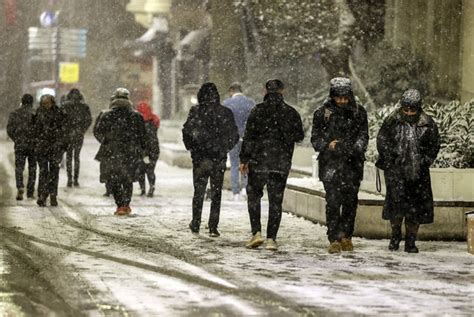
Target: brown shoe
(121, 211)
(334, 247)
(346, 245)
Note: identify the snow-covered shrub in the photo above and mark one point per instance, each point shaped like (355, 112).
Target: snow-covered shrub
(456, 128)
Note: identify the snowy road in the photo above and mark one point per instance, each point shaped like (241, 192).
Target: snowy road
(79, 259)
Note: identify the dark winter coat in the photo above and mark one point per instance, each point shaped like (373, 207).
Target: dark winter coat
(79, 118)
(49, 131)
(272, 130)
(348, 125)
(121, 132)
(20, 128)
(209, 131)
(408, 194)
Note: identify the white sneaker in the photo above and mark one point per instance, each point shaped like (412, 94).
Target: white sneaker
(255, 242)
(236, 197)
(271, 245)
(243, 193)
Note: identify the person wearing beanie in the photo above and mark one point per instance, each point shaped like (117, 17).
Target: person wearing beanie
(79, 119)
(272, 130)
(209, 133)
(340, 136)
(152, 124)
(122, 136)
(50, 145)
(408, 143)
(20, 130)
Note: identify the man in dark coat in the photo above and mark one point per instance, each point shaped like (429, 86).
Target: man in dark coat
(108, 190)
(50, 145)
(20, 129)
(272, 130)
(408, 143)
(79, 119)
(122, 134)
(209, 133)
(340, 135)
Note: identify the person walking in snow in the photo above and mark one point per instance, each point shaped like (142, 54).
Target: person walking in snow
(122, 134)
(20, 129)
(340, 135)
(209, 133)
(408, 143)
(102, 168)
(241, 107)
(50, 145)
(152, 124)
(272, 130)
(79, 119)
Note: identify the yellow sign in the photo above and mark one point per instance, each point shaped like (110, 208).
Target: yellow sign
(69, 73)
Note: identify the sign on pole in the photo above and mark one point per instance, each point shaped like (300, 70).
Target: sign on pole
(69, 73)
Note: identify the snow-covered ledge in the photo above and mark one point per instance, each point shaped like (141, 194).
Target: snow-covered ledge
(448, 184)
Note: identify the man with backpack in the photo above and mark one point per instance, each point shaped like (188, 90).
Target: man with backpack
(209, 133)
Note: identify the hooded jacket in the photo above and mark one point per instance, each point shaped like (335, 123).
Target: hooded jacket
(78, 115)
(346, 124)
(209, 131)
(272, 130)
(152, 124)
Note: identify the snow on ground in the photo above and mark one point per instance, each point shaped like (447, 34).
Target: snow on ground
(150, 264)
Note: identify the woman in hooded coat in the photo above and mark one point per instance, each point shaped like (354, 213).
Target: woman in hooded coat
(408, 143)
(152, 124)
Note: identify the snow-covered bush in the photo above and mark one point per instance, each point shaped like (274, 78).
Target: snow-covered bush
(456, 128)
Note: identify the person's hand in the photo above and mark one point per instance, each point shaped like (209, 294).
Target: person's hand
(332, 145)
(244, 168)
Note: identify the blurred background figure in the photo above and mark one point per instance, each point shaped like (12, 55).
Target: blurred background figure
(20, 130)
(152, 124)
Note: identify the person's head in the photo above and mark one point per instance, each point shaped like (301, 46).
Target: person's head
(235, 88)
(274, 86)
(47, 101)
(341, 91)
(208, 94)
(411, 102)
(27, 100)
(74, 94)
(120, 93)
(144, 107)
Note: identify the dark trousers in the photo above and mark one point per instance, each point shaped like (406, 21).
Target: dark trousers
(73, 153)
(202, 171)
(341, 207)
(20, 161)
(48, 176)
(148, 172)
(276, 183)
(122, 191)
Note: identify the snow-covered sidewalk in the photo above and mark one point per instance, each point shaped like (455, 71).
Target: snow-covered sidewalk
(160, 261)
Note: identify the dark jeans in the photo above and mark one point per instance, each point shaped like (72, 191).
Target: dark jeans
(202, 171)
(276, 183)
(20, 161)
(122, 191)
(149, 172)
(341, 207)
(74, 152)
(48, 176)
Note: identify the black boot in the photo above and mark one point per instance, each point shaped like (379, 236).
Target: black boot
(41, 200)
(151, 191)
(69, 182)
(410, 246)
(19, 194)
(394, 244)
(53, 200)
